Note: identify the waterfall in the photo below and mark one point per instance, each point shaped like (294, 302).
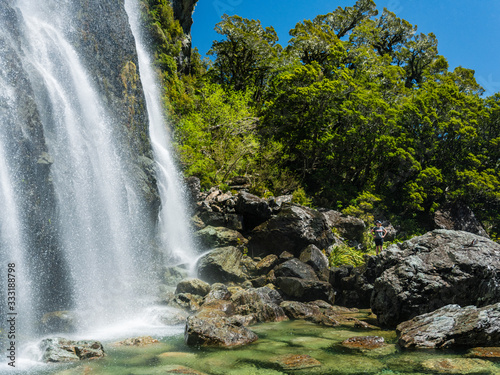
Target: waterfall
(173, 221)
(74, 217)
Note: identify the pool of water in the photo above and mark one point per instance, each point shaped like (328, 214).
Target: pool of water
(276, 341)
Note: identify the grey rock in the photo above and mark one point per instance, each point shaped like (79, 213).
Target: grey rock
(262, 303)
(428, 272)
(218, 291)
(255, 210)
(452, 326)
(306, 290)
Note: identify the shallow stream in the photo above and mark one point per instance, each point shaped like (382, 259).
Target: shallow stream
(270, 355)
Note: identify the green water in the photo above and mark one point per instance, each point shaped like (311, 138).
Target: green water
(276, 340)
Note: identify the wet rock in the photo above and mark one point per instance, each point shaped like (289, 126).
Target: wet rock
(311, 312)
(137, 341)
(459, 366)
(292, 229)
(210, 237)
(427, 272)
(216, 308)
(173, 275)
(193, 186)
(452, 326)
(61, 350)
(296, 362)
(186, 301)
(221, 265)
(193, 286)
(219, 332)
(364, 342)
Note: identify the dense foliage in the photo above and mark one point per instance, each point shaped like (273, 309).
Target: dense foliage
(358, 110)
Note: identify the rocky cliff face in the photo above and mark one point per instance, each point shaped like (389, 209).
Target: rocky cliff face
(183, 11)
(100, 33)
(103, 38)
(28, 158)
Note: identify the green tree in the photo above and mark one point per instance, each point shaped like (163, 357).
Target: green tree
(217, 140)
(247, 55)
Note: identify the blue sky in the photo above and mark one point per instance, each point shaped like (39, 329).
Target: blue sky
(468, 32)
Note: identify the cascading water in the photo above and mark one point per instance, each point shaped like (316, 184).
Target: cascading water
(73, 220)
(173, 223)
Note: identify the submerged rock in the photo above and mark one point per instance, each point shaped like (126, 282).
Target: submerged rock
(459, 366)
(492, 353)
(62, 350)
(364, 342)
(138, 341)
(452, 326)
(296, 362)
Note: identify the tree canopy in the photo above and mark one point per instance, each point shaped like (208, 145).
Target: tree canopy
(357, 107)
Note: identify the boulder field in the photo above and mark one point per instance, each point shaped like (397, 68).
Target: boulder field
(266, 260)
(271, 256)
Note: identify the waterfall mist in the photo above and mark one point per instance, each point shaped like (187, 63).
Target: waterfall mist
(75, 218)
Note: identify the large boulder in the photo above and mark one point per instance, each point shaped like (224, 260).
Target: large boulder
(262, 303)
(255, 210)
(292, 229)
(428, 272)
(298, 289)
(221, 265)
(295, 268)
(452, 326)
